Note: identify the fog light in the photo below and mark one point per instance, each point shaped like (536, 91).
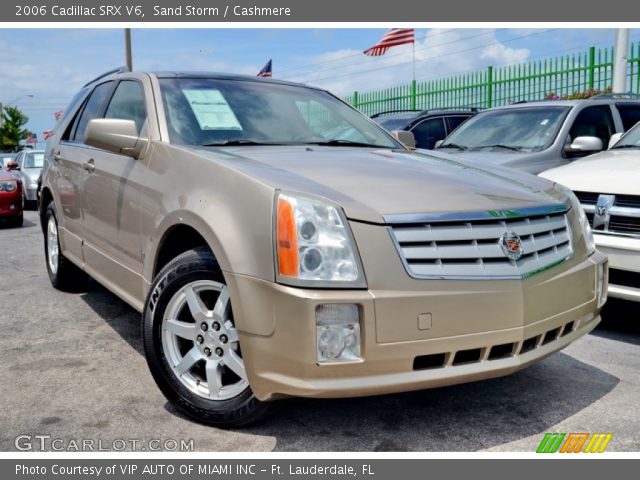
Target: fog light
(601, 284)
(338, 333)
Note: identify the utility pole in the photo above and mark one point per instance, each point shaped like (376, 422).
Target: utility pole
(127, 48)
(620, 53)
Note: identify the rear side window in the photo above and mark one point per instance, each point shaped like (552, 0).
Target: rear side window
(630, 115)
(594, 121)
(455, 121)
(93, 108)
(127, 103)
(428, 132)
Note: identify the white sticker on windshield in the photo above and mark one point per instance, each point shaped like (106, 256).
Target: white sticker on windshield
(544, 122)
(211, 110)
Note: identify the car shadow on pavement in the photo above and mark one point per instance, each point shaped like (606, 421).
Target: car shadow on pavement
(123, 319)
(620, 321)
(466, 417)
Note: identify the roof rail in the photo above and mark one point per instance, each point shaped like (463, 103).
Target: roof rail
(425, 112)
(105, 74)
(621, 96)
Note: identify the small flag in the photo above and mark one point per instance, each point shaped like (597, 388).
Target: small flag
(58, 115)
(393, 38)
(32, 138)
(47, 133)
(266, 70)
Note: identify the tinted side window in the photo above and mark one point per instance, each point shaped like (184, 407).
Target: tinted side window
(427, 133)
(630, 115)
(455, 121)
(93, 108)
(594, 122)
(128, 103)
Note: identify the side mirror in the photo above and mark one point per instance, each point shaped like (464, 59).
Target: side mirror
(405, 137)
(438, 143)
(586, 144)
(13, 166)
(614, 139)
(115, 135)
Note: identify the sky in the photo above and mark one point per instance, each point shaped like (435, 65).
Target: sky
(52, 64)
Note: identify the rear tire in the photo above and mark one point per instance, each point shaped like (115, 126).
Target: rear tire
(63, 274)
(192, 345)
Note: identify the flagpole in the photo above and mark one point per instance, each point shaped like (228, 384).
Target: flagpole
(413, 50)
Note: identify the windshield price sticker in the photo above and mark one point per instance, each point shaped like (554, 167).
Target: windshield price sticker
(211, 110)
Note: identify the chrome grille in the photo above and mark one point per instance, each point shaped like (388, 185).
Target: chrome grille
(621, 218)
(471, 248)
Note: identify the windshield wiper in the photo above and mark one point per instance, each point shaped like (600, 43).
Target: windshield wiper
(500, 145)
(346, 143)
(625, 146)
(452, 145)
(232, 143)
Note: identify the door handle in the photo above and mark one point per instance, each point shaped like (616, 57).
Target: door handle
(89, 165)
(57, 157)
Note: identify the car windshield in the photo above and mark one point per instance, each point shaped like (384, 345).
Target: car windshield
(206, 111)
(34, 160)
(525, 129)
(631, 139)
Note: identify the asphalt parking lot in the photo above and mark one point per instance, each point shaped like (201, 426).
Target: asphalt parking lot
(73, 368)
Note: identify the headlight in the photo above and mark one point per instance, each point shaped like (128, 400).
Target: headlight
(314, 246)
(8, 186)
(582, 217)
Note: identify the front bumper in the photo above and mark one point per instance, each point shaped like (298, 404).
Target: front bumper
(624, 255)
(31, 194)
(10, 205)
(533, 317)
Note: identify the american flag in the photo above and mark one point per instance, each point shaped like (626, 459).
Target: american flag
(393, 38)
(32, 138)
(58, 115)
(266, 70)
(47, 133)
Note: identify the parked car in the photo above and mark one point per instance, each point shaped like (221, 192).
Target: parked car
(536, 136)
(10, 199)
(428, 126)
(6, 158)
(29, 165)
(269, 259)
(608, 186)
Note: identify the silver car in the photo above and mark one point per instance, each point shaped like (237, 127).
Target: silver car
(29, 167)
(536, 136)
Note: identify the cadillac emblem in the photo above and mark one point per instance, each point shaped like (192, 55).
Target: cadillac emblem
(511, 245)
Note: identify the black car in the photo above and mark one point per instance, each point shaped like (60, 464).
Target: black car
(427, 126)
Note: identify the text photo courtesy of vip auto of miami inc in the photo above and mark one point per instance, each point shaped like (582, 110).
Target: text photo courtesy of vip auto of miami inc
(383, 239)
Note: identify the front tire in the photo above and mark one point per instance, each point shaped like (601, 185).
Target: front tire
(192, 345)
(63, 274)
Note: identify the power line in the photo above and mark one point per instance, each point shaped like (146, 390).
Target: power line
(430, 58)
(389, 57)
(359, 54)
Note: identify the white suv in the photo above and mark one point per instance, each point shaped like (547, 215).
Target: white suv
(608, 186)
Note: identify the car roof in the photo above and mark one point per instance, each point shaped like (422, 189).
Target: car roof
(123, 71)
(604, 100)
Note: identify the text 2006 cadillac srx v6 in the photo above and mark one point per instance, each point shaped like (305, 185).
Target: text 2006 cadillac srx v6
(279, 243)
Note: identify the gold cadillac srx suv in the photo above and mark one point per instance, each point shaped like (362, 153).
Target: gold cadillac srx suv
(277, 242)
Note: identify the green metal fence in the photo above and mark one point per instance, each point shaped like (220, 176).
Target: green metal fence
(563, 76)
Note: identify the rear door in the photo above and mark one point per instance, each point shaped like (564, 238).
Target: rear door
(71, 157)
(629, 113)
(113, 248)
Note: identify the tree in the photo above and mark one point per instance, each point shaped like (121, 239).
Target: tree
(11, 132)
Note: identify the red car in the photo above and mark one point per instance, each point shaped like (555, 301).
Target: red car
(10, 198)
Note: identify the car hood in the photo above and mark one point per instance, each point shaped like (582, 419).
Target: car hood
(613, 171)
(372, 183)
(6, 175)
(495, 157)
